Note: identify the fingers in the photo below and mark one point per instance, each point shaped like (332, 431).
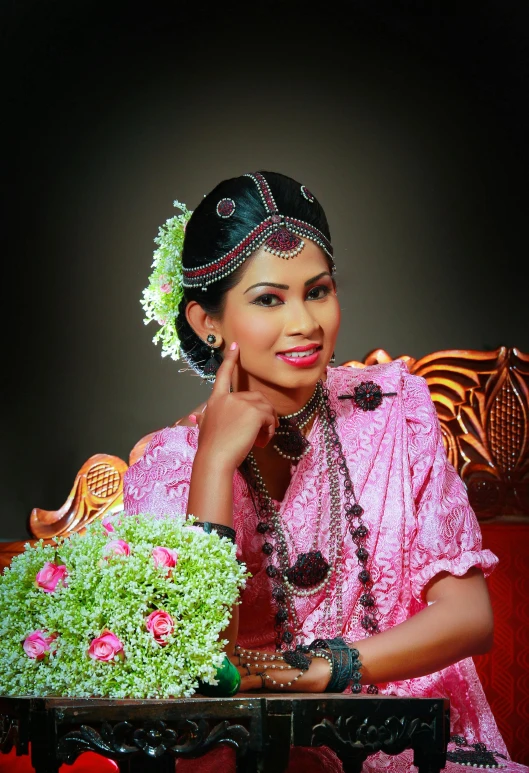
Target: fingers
(225, 372)
(197, 416)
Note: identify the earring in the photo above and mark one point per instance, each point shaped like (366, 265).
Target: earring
(333, 359)
(212, 364)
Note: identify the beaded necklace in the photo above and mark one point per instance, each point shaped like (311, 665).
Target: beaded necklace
(289, 441)
(312, 571)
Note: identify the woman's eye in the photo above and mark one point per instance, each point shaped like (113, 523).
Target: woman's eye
(318, 292)
(267, 300)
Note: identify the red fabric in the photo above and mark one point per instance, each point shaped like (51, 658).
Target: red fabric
(302, 760)
(504, 671)
(88, 762)
(222, 757)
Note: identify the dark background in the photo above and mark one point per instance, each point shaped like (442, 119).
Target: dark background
(407, 121)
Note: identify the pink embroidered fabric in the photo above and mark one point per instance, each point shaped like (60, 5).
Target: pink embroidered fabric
(420, 523)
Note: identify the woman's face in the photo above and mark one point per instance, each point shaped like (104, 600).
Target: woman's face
(284, 314)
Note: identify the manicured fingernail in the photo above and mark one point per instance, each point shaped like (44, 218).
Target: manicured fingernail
(233, 346)
(192, 418)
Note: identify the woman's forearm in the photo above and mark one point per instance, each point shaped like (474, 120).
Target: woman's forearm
(211, 491)
(457, 624)
(211, 499)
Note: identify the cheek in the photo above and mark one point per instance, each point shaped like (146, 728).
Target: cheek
(256, 331)
(331, 317)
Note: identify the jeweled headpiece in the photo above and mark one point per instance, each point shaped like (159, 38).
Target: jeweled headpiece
(281, 235)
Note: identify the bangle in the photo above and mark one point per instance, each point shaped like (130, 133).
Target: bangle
(228, 681)
(345, 667)
(356, 675)
(222, 531)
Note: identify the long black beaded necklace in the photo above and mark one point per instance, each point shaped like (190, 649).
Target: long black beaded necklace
(311, 571)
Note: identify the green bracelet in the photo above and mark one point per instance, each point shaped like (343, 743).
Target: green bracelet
(228, 678)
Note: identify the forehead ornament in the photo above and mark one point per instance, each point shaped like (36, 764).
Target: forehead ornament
(284, 243)
(281, 235)
(225, 208)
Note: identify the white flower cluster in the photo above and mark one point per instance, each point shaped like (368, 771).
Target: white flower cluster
(164, 292)
(133, 608)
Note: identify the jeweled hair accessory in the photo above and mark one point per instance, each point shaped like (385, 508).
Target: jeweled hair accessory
(281, 235)
(225, 208)
(307, 194)
(164, 292)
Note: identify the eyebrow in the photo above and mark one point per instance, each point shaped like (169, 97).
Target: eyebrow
(286, 287)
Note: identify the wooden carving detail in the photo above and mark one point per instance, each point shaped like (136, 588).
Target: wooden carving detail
(186, 738)
(355, 743)
(482, 400)
(97, 491)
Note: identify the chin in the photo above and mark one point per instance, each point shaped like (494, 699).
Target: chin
(301, 377)
(285, 376)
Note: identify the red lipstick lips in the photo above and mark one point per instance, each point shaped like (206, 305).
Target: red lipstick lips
(297, 357)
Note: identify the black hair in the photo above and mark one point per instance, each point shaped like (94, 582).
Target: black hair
(209, 237)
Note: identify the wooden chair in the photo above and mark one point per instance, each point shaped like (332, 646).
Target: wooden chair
(482, 400)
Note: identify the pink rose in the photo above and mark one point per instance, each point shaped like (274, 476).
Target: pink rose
(161, 625)
(166, 288)
(107, 524)
(106, 647)
(117, 547)
(50, 575)
(165, 557)
(37, 644)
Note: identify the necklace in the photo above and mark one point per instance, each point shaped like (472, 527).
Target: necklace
(312, 571)
(289, 440)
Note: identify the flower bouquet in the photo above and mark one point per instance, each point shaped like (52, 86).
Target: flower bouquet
(132, 608)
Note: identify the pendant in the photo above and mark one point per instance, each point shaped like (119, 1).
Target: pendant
(290, 442)
(309, 569)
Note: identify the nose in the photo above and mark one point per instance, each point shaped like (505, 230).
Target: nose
(300, 320)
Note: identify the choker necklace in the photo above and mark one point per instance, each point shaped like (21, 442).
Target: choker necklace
(289, 440)
(312, 572)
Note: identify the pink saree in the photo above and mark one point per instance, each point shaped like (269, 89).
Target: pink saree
(420, 523)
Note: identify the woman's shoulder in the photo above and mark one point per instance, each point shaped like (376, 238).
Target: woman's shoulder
(172, 442)
(385, 374)
(393, 378)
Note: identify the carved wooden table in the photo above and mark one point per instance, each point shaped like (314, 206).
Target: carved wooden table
(149, 735)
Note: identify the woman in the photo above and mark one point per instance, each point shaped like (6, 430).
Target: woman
(366, 560)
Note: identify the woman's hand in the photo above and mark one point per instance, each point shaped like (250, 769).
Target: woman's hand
(231, 423)
(315, 679)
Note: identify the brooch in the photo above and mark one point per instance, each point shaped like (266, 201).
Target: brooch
(367, 395)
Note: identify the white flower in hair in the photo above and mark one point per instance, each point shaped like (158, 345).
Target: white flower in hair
(162, 296)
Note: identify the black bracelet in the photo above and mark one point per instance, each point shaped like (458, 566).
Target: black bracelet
(356, 676)
(222, 531)
(346, 665)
